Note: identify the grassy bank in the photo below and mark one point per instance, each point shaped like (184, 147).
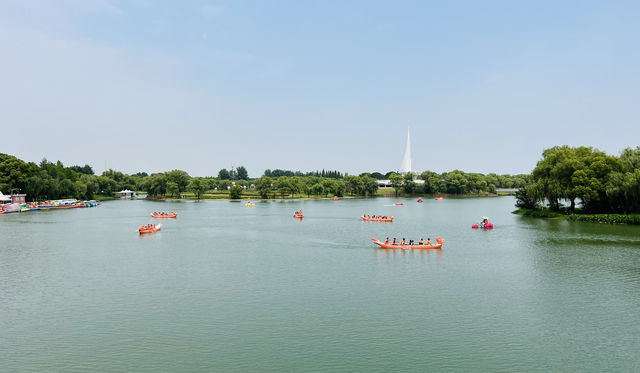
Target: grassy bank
(102, 197)
(390, 192)
(541, 212)
(545, 213)
(631, 219)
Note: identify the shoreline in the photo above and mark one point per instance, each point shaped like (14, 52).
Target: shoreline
(302, 198)
(545, 213)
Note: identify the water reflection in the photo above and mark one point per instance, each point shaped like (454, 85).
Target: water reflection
(398, 251)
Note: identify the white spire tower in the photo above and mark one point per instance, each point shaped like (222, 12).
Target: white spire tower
(405, 167)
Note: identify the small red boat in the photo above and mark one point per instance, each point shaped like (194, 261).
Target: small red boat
(368, 218)
(164, 215)
(399, 203)
(482, 226)
(149, 229)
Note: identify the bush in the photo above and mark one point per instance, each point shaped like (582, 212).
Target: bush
(607, 218)
(524, 200)
(540, 212)
(235, 192)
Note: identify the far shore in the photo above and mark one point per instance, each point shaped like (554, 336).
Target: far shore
(255, 197)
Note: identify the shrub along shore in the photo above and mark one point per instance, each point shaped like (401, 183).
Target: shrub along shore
(566, 214)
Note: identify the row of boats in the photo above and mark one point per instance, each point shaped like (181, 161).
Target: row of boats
(484, 224)
(427, 245)
(386, 244)
(152, 228)
(47, 205)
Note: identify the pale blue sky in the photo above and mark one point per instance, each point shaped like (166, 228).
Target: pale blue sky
(201, 85)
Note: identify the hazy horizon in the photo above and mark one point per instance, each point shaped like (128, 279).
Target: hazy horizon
(203, 85)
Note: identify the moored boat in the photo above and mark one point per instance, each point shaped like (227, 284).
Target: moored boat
(439, 241)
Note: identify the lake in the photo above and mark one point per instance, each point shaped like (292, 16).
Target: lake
(230, 288)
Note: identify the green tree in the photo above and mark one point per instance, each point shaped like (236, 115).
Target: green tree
(317, 188)
(264, 186)
(574, 173)
(397, 181)
(354, 185)
(80, 190)
(623, 186)
(67, 188)
(370, 185)
(242, 173)
(297, 184)
(283, 185)
(329, 186)
(91, 182)
(156, 184)
(14, 173)
(197, 186)
(181, 178)
(432, 182)
(173, 189)
(408, 186)
(235, 192)
(456, 182)
(525, 198)
(224, 174)
(106, 185)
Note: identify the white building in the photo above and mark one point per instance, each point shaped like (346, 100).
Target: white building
(126, 194)
(4, 199)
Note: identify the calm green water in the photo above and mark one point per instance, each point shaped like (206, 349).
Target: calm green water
(229, 288)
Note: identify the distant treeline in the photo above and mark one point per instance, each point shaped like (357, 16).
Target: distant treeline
(288, 173)
(598, 182)
(48, 180)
